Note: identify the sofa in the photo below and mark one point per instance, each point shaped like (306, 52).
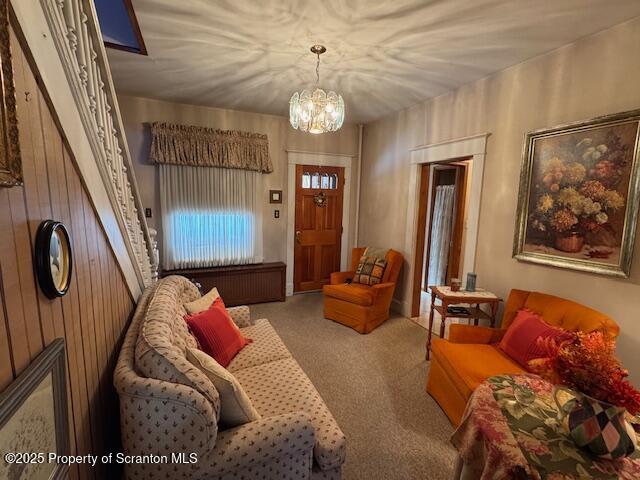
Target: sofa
(361, 307)
(169, 407)
(470, 355)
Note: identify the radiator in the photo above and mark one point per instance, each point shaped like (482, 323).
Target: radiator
(241, 284)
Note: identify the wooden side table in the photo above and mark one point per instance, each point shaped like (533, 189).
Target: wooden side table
(449, 297)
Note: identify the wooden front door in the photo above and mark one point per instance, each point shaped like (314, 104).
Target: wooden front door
(318, 225)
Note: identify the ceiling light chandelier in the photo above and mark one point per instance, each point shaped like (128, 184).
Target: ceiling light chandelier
(316, 112)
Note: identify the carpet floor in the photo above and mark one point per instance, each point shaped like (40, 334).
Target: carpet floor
(375, 387)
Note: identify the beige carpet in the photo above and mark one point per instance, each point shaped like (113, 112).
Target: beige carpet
(374, 386)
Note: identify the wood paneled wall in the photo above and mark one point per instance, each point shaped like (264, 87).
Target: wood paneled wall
(94, 314)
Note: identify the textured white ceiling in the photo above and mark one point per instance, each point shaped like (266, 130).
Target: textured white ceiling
(382, 55)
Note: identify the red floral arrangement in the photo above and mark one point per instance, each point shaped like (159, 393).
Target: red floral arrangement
(587, 362)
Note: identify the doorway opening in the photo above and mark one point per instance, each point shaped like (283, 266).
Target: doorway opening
(442, 215)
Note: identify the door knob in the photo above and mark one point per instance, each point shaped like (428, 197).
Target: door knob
(298, 232)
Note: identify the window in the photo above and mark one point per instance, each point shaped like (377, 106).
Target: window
(324, 183)
(333, 181)
(306, 180)
(315, 180)
(318, 180)
(210, 216)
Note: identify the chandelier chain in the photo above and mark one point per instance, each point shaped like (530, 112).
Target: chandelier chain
(318, 69)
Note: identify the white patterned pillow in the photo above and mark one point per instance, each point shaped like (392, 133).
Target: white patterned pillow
(203, 303)
(235, 406)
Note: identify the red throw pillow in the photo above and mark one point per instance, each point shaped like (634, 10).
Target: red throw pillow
(217, 334)
(520, 341)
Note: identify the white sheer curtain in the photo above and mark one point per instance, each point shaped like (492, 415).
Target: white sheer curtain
(210, 216)
(441, 227)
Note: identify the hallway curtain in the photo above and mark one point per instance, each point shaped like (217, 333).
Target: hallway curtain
(210, 216)
(441, 228)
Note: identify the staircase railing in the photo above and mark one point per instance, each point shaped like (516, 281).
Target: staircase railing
(76, 34)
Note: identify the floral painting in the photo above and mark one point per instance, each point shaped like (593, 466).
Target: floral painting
(579, 195)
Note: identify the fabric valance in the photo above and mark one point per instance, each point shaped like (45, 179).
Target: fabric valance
(208, 147)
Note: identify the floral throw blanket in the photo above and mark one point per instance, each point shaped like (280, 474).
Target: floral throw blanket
(510, 430)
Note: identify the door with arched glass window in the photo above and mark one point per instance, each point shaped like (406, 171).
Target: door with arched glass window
(318, 225)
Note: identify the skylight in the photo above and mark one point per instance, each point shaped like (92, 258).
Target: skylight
(119, 26)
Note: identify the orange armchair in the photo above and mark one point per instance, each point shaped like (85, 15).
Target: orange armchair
(361, 307)
(470, 355)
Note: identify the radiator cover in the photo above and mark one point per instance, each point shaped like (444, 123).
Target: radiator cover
(241, 284)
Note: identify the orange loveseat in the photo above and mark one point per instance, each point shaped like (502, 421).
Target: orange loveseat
(470, 355)
(361, 307)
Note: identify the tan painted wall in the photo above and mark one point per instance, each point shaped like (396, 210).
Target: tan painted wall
(138, 112)
(598, 75)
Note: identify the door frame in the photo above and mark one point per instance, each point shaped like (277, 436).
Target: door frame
(460, 207)
(457, 231)
(297, 157)
(472, 148)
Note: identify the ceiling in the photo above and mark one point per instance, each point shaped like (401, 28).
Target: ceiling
(382, 55)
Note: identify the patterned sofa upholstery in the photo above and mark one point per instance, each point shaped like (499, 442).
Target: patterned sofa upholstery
(168, 407)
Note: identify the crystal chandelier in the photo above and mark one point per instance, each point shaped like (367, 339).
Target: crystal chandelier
(316, 112)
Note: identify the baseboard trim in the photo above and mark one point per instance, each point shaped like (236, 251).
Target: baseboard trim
(401, 307)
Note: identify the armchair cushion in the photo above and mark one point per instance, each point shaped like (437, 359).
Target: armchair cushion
(352, 293)
(470, 364)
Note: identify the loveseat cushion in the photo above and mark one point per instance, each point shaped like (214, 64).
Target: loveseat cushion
(266, 347)
(470, 364)
(352, 293)
(281, 387)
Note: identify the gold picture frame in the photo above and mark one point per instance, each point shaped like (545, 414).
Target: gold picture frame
(579, 194)
(10, 162)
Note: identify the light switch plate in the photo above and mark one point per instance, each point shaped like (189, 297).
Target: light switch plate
(276, 214)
